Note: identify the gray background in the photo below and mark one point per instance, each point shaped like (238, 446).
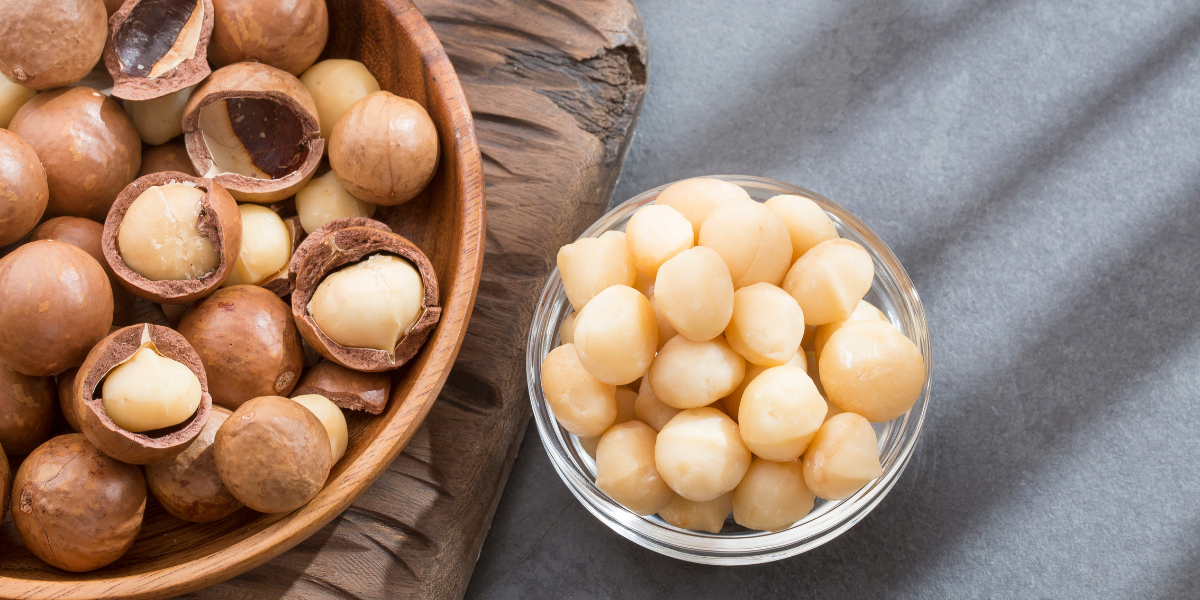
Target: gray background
(1034, 165)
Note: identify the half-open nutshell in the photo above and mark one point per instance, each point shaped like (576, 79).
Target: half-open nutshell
(310, 241)
(119, 350)
(254, 130)
(217, 221)
(156, 47)
(282, 284)
(328, 259)
(351, 390)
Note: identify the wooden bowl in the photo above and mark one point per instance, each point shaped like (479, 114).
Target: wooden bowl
(173, 557)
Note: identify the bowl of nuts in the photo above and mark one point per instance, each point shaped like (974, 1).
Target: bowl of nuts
(729, 369)
(239, 257)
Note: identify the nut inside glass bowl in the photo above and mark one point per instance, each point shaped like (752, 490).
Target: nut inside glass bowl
(891, 291)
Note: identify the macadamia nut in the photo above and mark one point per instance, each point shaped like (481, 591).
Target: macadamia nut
(159, 120)
(591, 265)
(690, 374)
(751, 239)
(700, 454)
(384, 149)
(158, 236)
(644, 284)
(650, 410)
(871, 368)
(772, 496)
(843, 457)
(733, 401)
(12, 98)
(335, 84)
(332, 418)
(829, 280)
(150, 391)
(806, 222)
(323, 199)
(654, 234)
(625, 468)
(370, 304)
(779, 413)
(698, 516)
(865, 311)
(616, 335)
(767, 325)
(582, 404)
(266, 247)
(695, 293)
(696, 198)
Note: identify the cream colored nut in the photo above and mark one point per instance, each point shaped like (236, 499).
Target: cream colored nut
(626, 405)
(616, 335)
(780, 412)
(700, 454)
(696, 198)
(695, 293)
(690, 374)
(650, 410)
(582, 404)
(591, 265)
(149, 391)
(654, 234)
(843, 457)
(324, 199)
(751, 239)
(772, 496)
(332, 418)
(644, 284)
(733, 402)
(566, 331)
(806, 222)
(159, 120)
(335, 84)
(266, 247)
(865, 311)
(698, 516)
(871, 368)
(767, 325)
(829, 280)
(12, 97)
(370, 304)
(158, 236)
(831, 409)
(625, 468)
(666, 330)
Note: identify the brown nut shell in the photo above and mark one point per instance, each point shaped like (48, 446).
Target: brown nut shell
(320, 233)
(189, 486)
(23, 188)
(87, 144)
(75, 507)
(137, 448)
(288, 36)
(349, 245)
(156, 47)
(5, 482)
(66, 398)
(348, 389)
(171, 156)
(45, 45)
(27, 411)
(219, 221)
(282, 284)
(85, 234)
(55, 304)
(384, 149)
(273, 454)
(276, 126)
(248, 343)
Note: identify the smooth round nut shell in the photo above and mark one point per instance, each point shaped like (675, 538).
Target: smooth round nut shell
(27, 411)
(286, 35)
(55, 304)
(23, 188)
(273, 454)
(872, 369)
(346, 388)
(384, 149)
(171, 156)
(144, 32)
(87, 235)
(5, 481)
(75, 507)
(188, 486)
(50, 44)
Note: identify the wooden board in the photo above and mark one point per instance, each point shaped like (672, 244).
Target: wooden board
(555, 88)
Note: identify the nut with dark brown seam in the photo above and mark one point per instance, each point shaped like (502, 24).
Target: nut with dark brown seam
(156, 47)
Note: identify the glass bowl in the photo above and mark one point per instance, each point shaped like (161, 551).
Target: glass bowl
(891, 291)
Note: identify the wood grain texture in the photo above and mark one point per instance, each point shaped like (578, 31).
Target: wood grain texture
(555, 88)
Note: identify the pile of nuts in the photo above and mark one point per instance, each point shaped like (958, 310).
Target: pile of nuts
(211, 167)
(721, 359)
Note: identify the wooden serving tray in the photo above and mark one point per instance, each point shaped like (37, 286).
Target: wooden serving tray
(555, 88)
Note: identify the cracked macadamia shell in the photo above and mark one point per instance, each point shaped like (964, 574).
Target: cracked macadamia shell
(188, 486)
(384, 149)
(27, 411)
(157, 47)
(45, 45)
(248, 343)
(273, 454)
(347, 388)
(87, 235)
(253, 129)
(87, 144)
(23, 188)
(286, 35)
(147, 447)
(75, 507)
(55, 304)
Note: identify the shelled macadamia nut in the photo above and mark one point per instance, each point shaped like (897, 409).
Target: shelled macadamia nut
(324, 199)
(650, 410)
(158, 47)
(695, 293)
(75, 507)
(23, 188)
(248, 343)
(656, 233)
(12, 98)
(865, 311)
(698, 516)
(696, 198)
(188, 486)
(582, 404)
(159, 120)
(149, 391)
(689, 374)
(44, 45)
(171, 156)
(733, 402)
(370, 304)
(347, 388)
(843, 457)
(331, 418)
(590, 265)
(616, 335)
(384, 149)
(253, 129)
(266, 247)
(625, 468)
(871, 368)
(89, 148)
(806, 222)
(700, 454)
(829, 280)
(273, 454)
(772, 496)
(335, 85)
(87, 235)
(55, 304)
(767, 325)
(780, 412)
(286, 36)
(27, 411)
(751, 239)
(644, 284)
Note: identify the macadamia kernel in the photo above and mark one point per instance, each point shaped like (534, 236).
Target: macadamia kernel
(698, 516)
(650, 410)
(733, 401)
(616, 335)
(370, 304)
(772, 496)
(843, 457)
(150, 391)
(12, 97)
(626, 471)
(266, 247)
(829, 280)
(335, 84)
(324, 199)
(806, 222)
(751, 239)
(159, 120)
(654, 234)
(696, 198)
(779, 413)
(690, 374)
(582, 404)
(591, 265)
(865, 311)
(332, 418)
(700, 454)
(767, 325)
(695, 293)
(158, 236)
(872, 369)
